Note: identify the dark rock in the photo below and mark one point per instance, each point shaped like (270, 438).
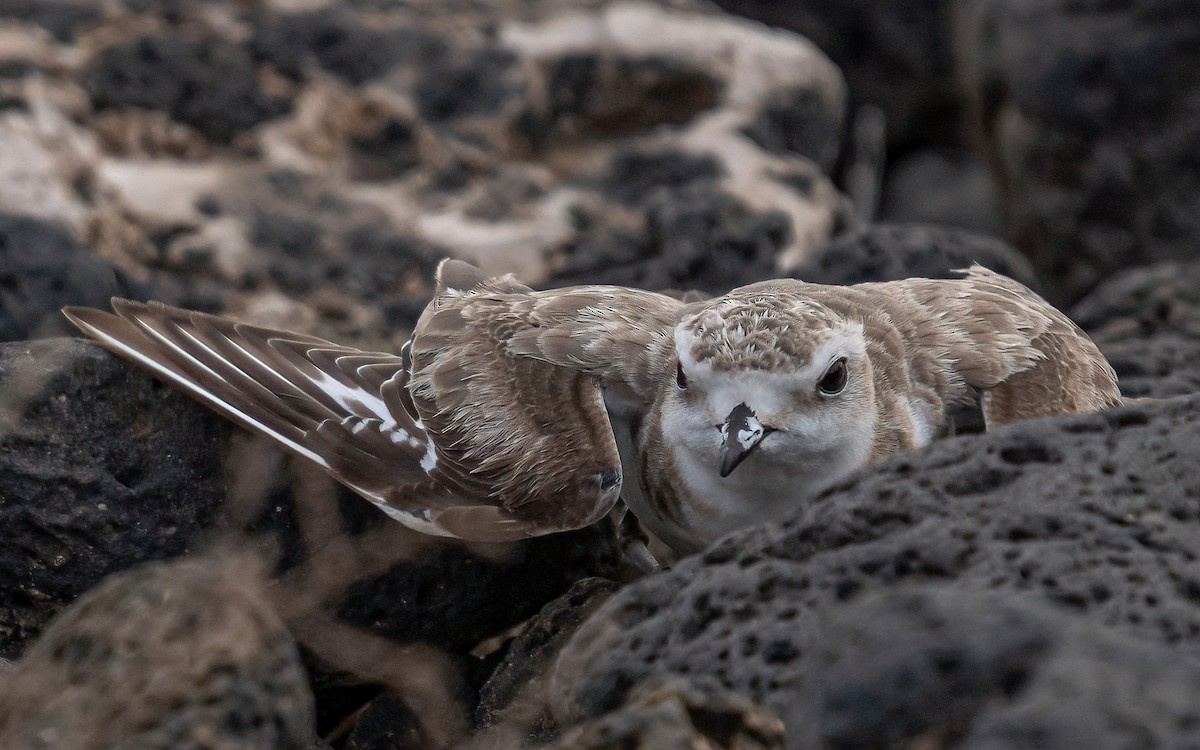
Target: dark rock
(635, 176)
(886, 252)
(1160, 366)
(182, 654)
(102, 468)
(1085, 107)
(697, 237)
(942, 666)
(1094, 514)
(799, 122)
(61, 19)
(342, 44)
(480, 86)
(1144, 302)
(455, 599)
(210, 85)
(895, 56)
(386, 724)
(386, 153)
(1147, 323)
(679, 714)
(943, 188)
(518, 685)
(42, 269)
(293, 236)
(598, 95)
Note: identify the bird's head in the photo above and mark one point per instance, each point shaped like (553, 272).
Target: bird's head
(765, 383)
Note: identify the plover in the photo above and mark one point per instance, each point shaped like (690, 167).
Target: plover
(512, 412)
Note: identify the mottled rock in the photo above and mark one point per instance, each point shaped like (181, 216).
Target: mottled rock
(209, 85)
(61, 19)
(101, 468)
(1086, 108)
(1095, 514)
(886, 252)
(696, 237)
(679, 714)
(42, 268)
(341, 43)
(187, 654)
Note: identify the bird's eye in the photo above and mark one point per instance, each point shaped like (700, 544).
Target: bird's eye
(834, 379)
(680, 379)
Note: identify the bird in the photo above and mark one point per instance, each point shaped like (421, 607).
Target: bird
(513, 412)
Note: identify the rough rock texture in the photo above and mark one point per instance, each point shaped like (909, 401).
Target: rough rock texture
(187, 654)
(42, 269)
(886, 252)
(101, 468)
(1088, 109)
(1147, 323)
(1095, 514)
(515, 693)
(679, 714)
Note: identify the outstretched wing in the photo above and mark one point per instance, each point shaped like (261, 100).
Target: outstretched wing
(623, 337)
(1025, 357)
(518, 384)
(348, 410)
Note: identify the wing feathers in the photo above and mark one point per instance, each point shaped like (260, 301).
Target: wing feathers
(348, 410)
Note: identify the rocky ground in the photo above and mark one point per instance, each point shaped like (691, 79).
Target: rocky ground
(166, 581)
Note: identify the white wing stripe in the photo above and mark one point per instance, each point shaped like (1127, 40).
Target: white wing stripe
(203, 394)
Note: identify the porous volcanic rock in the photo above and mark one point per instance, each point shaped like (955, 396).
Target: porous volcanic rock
(1147, 323)
(101, 468)
(1087, 109)
(186, 654)
(1095, 514)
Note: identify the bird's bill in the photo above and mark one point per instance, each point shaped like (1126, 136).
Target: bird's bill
(740, 434)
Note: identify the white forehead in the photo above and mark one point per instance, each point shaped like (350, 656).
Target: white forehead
(768, 391)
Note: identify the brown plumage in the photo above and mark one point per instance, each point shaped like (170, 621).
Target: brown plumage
(515, 412)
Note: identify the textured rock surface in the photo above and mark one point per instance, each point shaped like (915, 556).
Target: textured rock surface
(886, 252)
(515, 693)
(1094, 514)
(1147, 323)
(187, 654)
(101, 468)
(679, 714)
(1088, 109)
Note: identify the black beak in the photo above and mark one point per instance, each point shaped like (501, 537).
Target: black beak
(740, 434)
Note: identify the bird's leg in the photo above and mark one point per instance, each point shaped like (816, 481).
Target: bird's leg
(633, 543)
